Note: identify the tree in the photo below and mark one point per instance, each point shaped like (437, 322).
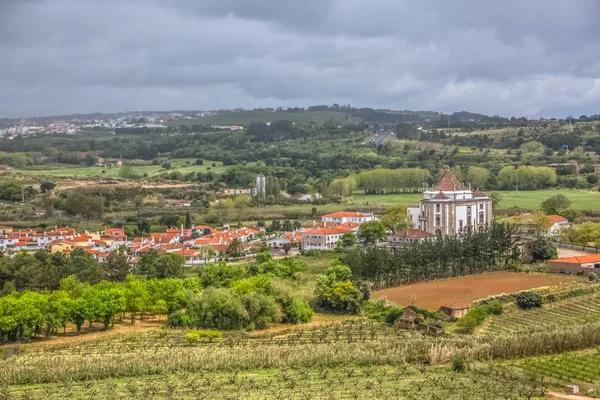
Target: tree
(335, 292)
(396, 219)
(47, 186)
(287, 225)
(371, 232)
(117, 266)
(478, 176)
(143, 226)
(136, 296)
(241, 204)
(127, 172)
(188, 221)
(556, 204)
(286, 248)
(166, 165)
(223, 210)
(313, 213)
(496, 199)
(540, 249)
(236, 248)
(169, 220)
(348, 239)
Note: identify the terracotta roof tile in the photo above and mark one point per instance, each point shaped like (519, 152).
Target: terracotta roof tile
(479, 193)
(449, 183)
(579, 259)
(440, 196)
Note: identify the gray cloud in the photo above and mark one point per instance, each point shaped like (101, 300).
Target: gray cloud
(510, 58)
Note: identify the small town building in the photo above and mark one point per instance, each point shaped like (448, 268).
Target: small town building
(342, 217)
(6, 230)
(408, 237)
(579, 265)
(450, 208)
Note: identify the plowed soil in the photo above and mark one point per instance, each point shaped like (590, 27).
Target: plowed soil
(463, 291)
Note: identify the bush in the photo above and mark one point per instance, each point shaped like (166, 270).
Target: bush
(380, 310)
(197, 336)
(298, 312)
(459, 365)
(219, 309)
(477, 315)
(262, 310)
(528, 300)
(178, 319)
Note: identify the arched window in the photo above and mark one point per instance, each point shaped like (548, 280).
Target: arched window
(438, 232)
(438, 220)
(481, 218)
(437, 208)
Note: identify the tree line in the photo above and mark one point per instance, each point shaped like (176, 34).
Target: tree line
(492, 249)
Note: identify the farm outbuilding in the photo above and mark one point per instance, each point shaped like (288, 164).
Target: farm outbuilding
(455, 311)
(579, 265)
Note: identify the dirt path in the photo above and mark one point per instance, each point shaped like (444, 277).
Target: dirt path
(463, 291)
(555, 395)
(71, 336)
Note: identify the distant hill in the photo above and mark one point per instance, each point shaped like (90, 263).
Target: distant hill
(244, 117)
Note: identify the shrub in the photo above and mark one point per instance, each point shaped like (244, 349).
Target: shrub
(197, 336)
(459, 365)
(528, 300)
(477, 315)
(298, 312)
(262, 310)
(219, 309)
(178, 319)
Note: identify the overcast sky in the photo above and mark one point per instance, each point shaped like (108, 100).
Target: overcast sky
(507, 57)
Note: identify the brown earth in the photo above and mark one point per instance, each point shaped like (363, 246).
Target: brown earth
(463, 291)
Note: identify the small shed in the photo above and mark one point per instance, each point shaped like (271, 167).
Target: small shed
(409, 319)
(455, 311)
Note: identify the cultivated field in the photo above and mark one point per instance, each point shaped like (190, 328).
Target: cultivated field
(178, 165)
(580, 310)
(465, 290)
(581, 200)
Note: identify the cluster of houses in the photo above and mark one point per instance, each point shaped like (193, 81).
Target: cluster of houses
(193, 243)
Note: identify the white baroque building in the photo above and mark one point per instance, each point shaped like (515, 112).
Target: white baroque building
(450, 208)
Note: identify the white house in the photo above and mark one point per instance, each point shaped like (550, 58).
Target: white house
(341, 217)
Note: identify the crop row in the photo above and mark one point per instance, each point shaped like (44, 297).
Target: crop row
(572, 312)
(566, 367)
(350, 382)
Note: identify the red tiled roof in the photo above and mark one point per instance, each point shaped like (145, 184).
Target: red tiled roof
(344, 214)
(440, 196)
(414, 234)
(555, 219)
(449, 183)
(579, 259)
(327, 231)
(479, 193)
(114, 230)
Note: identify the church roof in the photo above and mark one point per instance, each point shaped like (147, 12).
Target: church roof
(449, 183)
(440, 196)
(479, 193)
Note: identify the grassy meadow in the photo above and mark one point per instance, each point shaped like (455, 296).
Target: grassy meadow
(178, 164)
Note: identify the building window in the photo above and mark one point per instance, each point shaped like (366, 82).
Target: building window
(460, 225)
(437, 208)
(481, 206)
(438, 220)
(481, 218)
(468, 210)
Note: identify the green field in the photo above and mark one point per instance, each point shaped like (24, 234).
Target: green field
(245, 117)
(178, 165)
(581, 200)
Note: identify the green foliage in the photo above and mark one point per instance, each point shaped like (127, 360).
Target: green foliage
(179, 319)
(371, 232)
(206, 335)
(257, 283)
(298, 311)
(79, 203)
(528, 300)
(382, 311)
(348, 239)
(221, 274)
(495, 248)
(155, 265)
(557, 204)
(540, 249)
(477, 315)
(336, 293)
(459, 365)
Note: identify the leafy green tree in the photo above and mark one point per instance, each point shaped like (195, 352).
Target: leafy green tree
(143, 226)
(396, 219)
(117, 266)
(47, 186)
(218, 309)
(348, 239)
(188, 221)
(169, 220)
(540, 249)
(371, 232)
(241, 204)
(136, 296)
(236, 248)
(335, 291)
(556, 204)
(478, 176)
(111, 301)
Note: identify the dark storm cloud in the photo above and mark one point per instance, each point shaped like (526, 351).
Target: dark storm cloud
(499, 57)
